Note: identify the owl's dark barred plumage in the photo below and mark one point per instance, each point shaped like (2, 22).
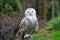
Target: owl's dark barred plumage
(29, 24)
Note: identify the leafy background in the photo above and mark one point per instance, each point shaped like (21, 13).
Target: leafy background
(12, 11)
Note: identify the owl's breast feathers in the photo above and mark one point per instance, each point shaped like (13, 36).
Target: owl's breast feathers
(27, 25)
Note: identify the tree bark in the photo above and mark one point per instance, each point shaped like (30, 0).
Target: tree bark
(45, 1)
(52, 8)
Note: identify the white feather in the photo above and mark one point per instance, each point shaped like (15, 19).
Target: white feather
(29, 21)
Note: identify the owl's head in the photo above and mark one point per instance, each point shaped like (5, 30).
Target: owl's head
(30, 12)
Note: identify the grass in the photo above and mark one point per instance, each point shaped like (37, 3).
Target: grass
(52, 36)
(46, 35)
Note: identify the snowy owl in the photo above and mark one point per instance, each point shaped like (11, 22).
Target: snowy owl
(29, 23)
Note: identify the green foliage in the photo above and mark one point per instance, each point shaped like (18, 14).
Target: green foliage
(54, 23)
(19, 6)
(0, 5)
(53, 36)
(8, 8)
(11, 6)
(49, 10)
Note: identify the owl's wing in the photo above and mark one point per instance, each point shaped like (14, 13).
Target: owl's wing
(25, 22)
(36, 26)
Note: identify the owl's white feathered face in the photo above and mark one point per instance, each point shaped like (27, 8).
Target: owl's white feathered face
(30, 12)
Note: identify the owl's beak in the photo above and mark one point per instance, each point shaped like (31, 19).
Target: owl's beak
(30, 14)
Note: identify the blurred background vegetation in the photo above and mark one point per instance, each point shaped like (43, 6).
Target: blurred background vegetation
(48, 13)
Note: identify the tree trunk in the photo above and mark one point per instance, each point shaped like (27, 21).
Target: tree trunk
(45, 1)
(41, 13)
(52, 8)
